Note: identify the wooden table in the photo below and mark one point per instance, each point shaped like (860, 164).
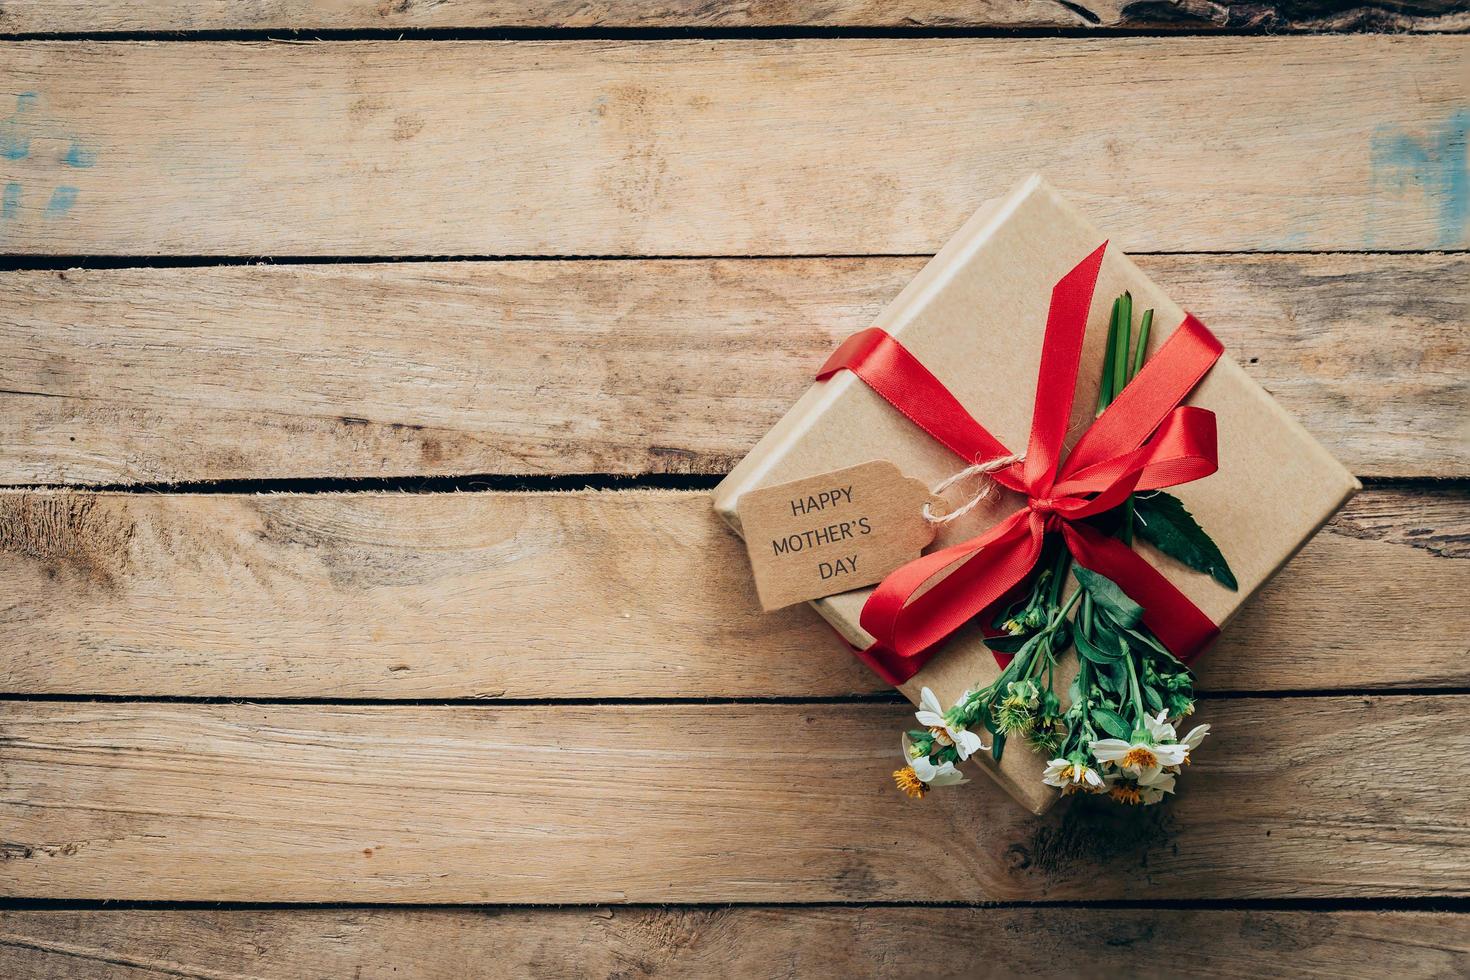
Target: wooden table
(362, 609)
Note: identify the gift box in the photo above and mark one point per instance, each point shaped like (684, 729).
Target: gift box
(975, 317)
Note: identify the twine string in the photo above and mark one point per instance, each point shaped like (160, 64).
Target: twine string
(987, 486)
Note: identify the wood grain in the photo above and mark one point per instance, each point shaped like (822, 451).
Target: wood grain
(78, 16)
(727, 147)
(750, 941)
(1301, 798)
(634, 594)
(127, 375)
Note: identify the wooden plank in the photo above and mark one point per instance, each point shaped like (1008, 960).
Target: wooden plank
(749, 941)
(626, 595)
(1302, 798)
(78, 16)
(729, 147)
(125, 375)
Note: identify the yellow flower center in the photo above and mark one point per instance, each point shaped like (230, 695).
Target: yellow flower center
(909, 782)
(1126, 794)
(1139, 757)
(1076, 787)
(941, 736)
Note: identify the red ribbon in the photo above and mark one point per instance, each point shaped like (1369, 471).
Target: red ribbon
(1144, 441)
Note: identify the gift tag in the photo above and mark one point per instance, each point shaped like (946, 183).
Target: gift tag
(834, 532)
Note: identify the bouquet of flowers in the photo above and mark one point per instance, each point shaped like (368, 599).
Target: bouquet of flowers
(1117, 735)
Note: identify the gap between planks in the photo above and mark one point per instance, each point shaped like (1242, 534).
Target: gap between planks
(602, 594)
(549, 19)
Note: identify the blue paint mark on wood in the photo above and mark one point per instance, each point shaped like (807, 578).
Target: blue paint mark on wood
(1435, 165)
(10, 201)
(15, 142)
(78, 155)
(13, 145)
(63, 199)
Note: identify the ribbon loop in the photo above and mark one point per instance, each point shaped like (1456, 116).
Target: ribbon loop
(1145, 440)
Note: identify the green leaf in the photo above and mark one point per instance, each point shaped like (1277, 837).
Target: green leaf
(1105, 386)
(1006, 643)
(1164, 523)
(1097, 653)
(998, 746)
(1112, 723)
(1142, 345)
(1148, 640)
(1124, 336)
(1112, 678)
(1108, 597)
(1155, 703)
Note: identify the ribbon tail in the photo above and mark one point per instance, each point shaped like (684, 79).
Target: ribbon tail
(1056, 380)
(1177, 622)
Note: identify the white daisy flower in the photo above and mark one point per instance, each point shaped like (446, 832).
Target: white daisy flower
(943, 774)
(1153, 791)
(1191, 741)
(1159, 727)
(1164, 733)
(1122, 790)
(1071, 777)
(921, 774)
(1134, 792)
(931, 716)
(1142, 760)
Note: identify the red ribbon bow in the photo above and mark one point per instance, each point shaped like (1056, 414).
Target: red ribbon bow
(1144, 441)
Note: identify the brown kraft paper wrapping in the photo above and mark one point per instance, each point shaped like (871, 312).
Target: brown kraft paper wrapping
(975, 316)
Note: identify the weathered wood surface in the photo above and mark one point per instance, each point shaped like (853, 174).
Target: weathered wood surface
(74, 16)
(124, 375)
(741, 942)
(628, 594)
(1313, 797)
(727, 147)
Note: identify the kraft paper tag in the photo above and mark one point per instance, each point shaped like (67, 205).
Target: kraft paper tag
(834, 532)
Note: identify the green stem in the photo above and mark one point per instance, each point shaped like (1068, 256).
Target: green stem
(1125, 532)
(1084, 684)
(1084, 666)
(1138, 712)
(1059, 572)
(1062, 612)
(1039, 662)
(1045, 636)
